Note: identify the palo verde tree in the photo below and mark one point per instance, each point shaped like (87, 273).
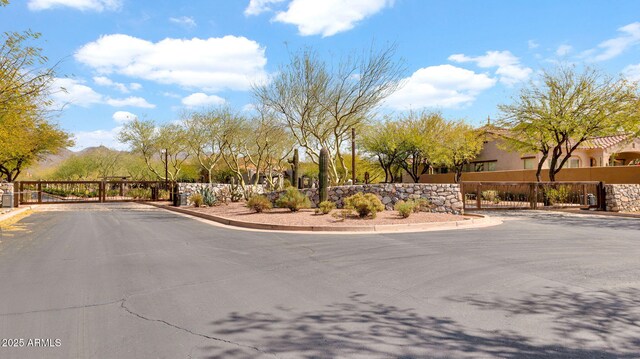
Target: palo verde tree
(382, 142)
(321, 103)
(160, 146)
(27, 132)
(462, 143)
(421, 137)
(564, 108)
(203, 138)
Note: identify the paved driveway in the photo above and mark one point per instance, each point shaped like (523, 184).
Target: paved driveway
(130, 281)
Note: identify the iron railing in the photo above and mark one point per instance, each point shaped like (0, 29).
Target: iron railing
(43, 192)
(532, 195)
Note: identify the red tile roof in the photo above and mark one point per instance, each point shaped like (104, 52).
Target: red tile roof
(604, 141)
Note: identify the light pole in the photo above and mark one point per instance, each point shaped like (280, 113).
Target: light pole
(166, 168)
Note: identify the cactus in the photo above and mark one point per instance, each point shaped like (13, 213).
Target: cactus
(323, 173)
(295, 171)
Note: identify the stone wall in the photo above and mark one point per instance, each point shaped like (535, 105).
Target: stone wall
(219, 189)
(447, 198)
(623, 197)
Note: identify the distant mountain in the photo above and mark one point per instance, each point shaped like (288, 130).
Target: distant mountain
(52, 161)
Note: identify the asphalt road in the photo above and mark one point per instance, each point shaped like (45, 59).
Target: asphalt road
(130, 281)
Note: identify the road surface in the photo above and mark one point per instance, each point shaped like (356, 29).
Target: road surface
(131, 281)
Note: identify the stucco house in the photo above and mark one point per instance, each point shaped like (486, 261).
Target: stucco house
(617, 150)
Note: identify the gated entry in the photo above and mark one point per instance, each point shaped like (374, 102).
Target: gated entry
(532, 195)
(42, 192)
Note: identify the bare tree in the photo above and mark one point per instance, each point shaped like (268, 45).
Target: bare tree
(320, 104)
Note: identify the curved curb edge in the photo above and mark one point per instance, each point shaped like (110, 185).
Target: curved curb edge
(478, 222)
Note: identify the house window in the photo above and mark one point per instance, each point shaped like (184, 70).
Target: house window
(573, 163)
(529, 163)
(483, 166)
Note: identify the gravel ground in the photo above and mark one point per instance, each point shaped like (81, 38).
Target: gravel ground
(307, 217)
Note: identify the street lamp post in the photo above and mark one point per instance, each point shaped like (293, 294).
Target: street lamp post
(166, 168)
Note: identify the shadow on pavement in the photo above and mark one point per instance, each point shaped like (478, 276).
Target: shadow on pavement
(364, 328)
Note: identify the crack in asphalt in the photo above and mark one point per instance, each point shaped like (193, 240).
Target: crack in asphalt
(162, 321)
(62, 309)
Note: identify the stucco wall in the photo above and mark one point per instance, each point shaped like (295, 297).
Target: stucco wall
(623, 197)
(613, 175)
(447, 198)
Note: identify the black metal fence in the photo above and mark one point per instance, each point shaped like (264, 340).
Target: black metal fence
(42, 192)
(532, 195)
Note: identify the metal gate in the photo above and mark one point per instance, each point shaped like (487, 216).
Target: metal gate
(532, 195)
(43, 192)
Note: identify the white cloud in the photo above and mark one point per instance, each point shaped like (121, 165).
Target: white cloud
(329, 17)
(105, 81)
(613, 47)
(257, 7)
(632, 72)
(129, 101)
(563, 50)
(108, 138)
(185, 21)
(83, 5)
(211, 64)
(440, 86)
(533, 44)
(509, 68)
(123, 116)
(201, 99)
(67, 91)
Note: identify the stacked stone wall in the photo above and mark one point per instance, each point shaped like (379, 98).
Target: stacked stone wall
(446, 198)
(219, 189)
(623, 197)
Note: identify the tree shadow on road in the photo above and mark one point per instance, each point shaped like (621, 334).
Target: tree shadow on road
(360, 327)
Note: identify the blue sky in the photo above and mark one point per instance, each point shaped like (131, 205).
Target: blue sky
(154, 59)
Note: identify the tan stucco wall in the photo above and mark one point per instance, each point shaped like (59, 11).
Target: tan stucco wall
(612, 175)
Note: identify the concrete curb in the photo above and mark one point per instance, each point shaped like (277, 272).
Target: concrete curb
(14, 212)
(478, 222)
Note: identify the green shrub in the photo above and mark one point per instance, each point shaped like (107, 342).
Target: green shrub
(342, 214)
(405, 208)
(364, 204)
(139, 193)
(491, 196)
(259, 203)
(422, 205)
(197, 199)
(558, 195)
(293, 199)
(325, 207)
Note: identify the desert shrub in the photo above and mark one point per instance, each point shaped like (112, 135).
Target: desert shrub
(364, 204)
(422, 205)
(163, 194)
(209, 198)
(342, 214)
(259, 203)
(197, 199)
(325, 207)
(139, 193)
(558, 195)
(293, 199)
(405, 208)
(491, 196)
